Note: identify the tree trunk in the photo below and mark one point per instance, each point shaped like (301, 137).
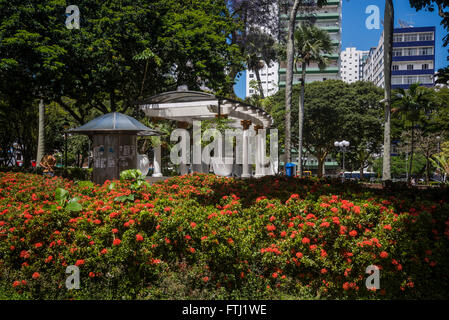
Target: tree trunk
(411, 153)
(388, 51)
(362, 164)
(41, 134)
(321, 157)
(144, 78)
(259, 83)
(301, 120)
(427, 166)
(289, 78)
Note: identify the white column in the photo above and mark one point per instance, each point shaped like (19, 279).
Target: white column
(245, 159)
(157, 161)
(260, 153)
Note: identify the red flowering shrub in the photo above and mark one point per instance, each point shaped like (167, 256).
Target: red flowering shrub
(222, 238)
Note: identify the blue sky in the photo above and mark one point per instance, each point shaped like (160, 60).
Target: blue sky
(355, 33)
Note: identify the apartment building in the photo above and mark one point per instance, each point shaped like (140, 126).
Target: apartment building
(413, 59)
(352, 61)
(328, 18)
(269, 77)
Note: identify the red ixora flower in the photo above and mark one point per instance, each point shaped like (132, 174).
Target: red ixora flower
(305, 240)
(192, 225)
(383, 254)
(79, 262)
(353, 233)
(35, 275)
(116, 242)
(139, 237)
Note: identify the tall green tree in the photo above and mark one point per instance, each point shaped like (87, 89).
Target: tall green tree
(312, 44)
(104, 65)
(412, 104)
(334, 110)
(260, 51)
(292, 8)
(363, 124)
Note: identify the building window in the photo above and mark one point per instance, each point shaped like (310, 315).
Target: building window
(251, 91)
(425, 66)
(397, 52)
(410, 67)
(397, 38)
(426, 36)
(395, 68)
(411, 51)
(396, 80)
(251, 75)
(411, 37)
(425, 51)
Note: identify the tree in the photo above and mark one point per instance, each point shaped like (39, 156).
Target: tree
(412, 103)
(441, 160)
(312, 45)
(443, 76)
(260, 51)
(363, 124)
(105, 64)
(334, 110)
(388, 58)
(249, 15)
(292, 8)
(430, 6)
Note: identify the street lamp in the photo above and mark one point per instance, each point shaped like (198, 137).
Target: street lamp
(342, 145)
(66, 126)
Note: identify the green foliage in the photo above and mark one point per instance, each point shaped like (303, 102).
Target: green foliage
(398, 166)
(334, 111)
(137, 180)
(312, 44)
(441, 160)
(62, 195)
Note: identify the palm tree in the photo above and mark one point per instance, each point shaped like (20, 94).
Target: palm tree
(388, 58)
(260, 50)
(312, 45)
(412, 104)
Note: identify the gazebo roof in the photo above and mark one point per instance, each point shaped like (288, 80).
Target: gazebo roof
(114, 122)
(188, 106)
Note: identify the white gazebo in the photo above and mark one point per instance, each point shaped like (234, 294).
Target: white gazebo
(186, 107)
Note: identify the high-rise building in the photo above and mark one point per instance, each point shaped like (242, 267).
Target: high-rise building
(328, 18)
(351, 68)
(269, 77)
(413, 59)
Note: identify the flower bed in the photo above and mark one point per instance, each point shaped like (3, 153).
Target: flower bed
(206, 237)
